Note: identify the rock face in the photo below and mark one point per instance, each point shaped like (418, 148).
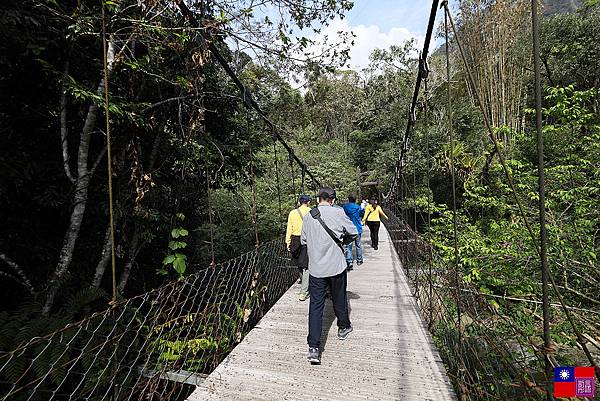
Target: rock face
(552, 7)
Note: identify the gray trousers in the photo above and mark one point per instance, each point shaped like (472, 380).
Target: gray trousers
(304, 285)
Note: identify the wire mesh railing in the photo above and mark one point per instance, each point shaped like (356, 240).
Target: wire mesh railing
(157, 345)
(500, 331)
(492, 349)
(486, 354)
(130, 351)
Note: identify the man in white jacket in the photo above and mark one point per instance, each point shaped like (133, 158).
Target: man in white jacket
(326, 266)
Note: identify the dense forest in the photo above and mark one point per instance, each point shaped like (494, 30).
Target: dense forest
(197, 177)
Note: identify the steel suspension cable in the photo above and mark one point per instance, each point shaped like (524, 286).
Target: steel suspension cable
(278, 183)
(490, 340)
(542, 195)
(252, 183)
(453, 174)
(291, 160)
(247, 96)
(109, 157)
(580, 339)
(210, 219)
(411, 113)
(428, 189)
(488, 125)
(415, 190)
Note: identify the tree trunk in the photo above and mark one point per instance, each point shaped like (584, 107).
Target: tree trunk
(22, 279)
(80, 195)
(104, 259)
(64, 130)
(134, 249)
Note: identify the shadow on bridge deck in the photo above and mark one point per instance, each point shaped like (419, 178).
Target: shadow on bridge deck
(389, 356)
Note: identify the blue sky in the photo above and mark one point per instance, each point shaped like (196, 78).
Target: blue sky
(381, 23)
(387, 14)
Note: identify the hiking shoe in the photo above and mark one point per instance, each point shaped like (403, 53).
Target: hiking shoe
(313, 356)
(303, 297)
(359, 262)
(343, 333)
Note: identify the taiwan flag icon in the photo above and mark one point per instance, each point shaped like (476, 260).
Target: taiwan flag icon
(574, 381)
(564, 381)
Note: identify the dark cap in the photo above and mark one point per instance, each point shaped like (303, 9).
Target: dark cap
(327, 193)
(303, 199)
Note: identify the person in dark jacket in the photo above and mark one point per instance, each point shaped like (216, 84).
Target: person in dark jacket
(355, 214)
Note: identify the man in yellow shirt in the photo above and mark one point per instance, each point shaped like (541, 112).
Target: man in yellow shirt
(372, 216)
(292, 239)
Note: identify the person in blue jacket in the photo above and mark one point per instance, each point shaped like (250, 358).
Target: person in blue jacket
(354, 213)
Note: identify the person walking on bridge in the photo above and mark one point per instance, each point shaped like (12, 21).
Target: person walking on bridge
(324, 231)
(292, 239)
(373, 213)
(354, 213)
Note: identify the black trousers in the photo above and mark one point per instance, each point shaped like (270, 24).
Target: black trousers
(374, 228)
(317, 287)
(299, 253)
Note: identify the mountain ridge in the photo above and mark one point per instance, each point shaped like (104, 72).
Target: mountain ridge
(553, 7)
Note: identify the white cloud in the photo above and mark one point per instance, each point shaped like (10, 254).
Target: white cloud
(367, 39)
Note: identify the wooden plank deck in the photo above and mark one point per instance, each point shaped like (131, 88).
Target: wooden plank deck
(388, 356)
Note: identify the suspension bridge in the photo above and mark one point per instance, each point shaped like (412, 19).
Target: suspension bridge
(389, 355)
(235, 330)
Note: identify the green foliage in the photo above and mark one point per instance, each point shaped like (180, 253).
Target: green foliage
(176, 260)
(53, 357)
(181, 135)
(174, 344)
(198, 341)
(570, 47)
(496, 255)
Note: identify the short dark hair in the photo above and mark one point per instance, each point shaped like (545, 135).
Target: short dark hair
(351, 198)
(327, 193)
